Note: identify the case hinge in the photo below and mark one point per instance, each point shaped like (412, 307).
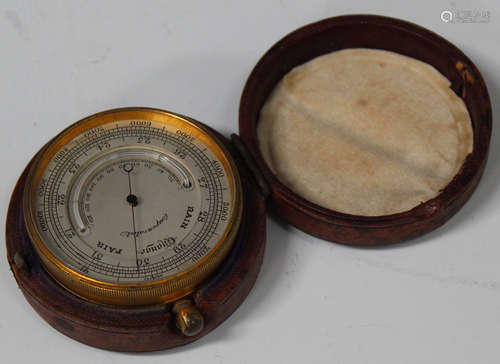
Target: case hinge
(251, 164)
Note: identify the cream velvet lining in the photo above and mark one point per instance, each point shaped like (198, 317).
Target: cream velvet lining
(365, 132)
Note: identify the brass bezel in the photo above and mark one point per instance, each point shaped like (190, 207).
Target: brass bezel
(162, 291)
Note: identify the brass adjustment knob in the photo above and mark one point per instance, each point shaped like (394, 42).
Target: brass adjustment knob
(188, 318)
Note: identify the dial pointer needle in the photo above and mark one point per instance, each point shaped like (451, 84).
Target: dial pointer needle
(132, 200)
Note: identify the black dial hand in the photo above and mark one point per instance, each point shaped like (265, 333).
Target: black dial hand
(132, 200)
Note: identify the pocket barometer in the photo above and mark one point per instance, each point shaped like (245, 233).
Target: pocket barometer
(132, 214)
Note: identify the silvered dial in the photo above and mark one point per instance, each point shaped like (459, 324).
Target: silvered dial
(134, 200)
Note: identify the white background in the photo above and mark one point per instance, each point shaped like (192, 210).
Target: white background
(433, 300)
